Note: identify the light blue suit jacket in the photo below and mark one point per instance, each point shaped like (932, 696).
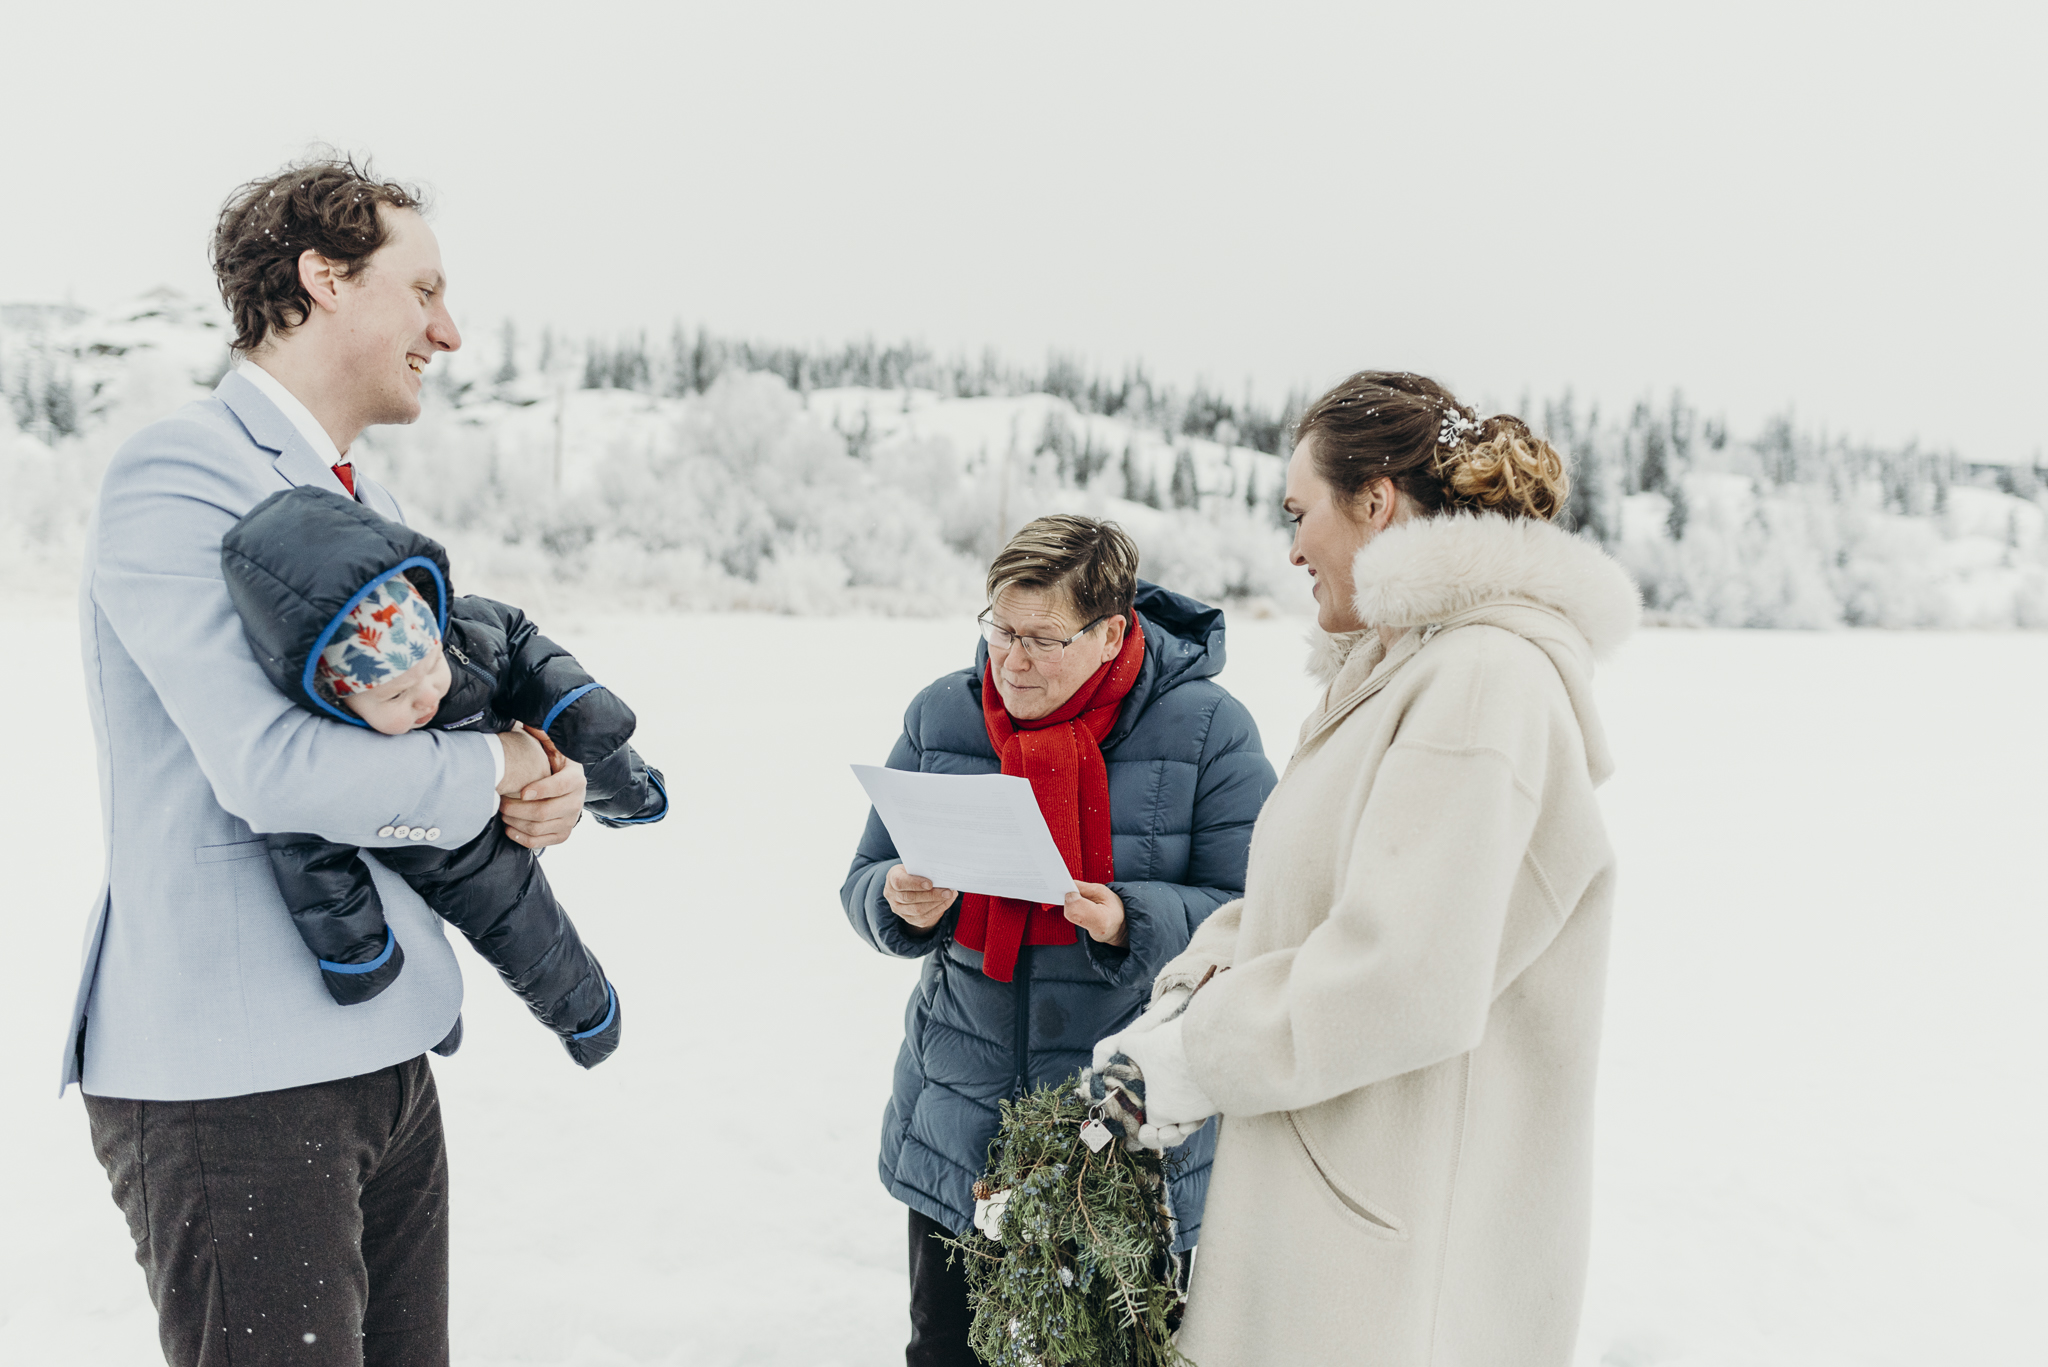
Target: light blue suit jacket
(195, 983)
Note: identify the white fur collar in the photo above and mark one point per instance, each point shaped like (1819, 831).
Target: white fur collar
(1430, 568)
(1327, 652)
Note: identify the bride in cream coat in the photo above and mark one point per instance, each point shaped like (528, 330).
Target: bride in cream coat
(1399, 1021)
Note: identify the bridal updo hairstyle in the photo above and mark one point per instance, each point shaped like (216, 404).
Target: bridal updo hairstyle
(1387, 424)
(328, 206)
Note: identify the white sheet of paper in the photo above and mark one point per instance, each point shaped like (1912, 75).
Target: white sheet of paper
(974, 832)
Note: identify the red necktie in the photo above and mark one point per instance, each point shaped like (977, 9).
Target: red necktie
(346, 473)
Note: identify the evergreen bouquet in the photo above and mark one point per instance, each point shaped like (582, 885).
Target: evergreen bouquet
(1071, 1259)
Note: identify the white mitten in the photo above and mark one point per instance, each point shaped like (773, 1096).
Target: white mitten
(1175, 1106)
(1171, 1003)
(1111, 1080)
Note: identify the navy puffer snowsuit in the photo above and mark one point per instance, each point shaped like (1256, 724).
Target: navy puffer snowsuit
(294, 566)
(1186, 780)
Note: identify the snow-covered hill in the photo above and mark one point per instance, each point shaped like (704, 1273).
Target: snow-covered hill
(749, 494)
(74, 384)
(706, 474)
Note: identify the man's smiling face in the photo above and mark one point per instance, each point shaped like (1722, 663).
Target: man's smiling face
(394, 317)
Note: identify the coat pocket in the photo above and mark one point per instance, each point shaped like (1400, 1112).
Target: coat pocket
(221, 854)
(1360, 1212)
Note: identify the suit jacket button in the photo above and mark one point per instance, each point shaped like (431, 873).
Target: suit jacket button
(417, 833)
(401, 832)
(433, 832)
(387, 832)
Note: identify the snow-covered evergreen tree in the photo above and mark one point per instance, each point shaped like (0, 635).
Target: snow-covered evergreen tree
(508, 349)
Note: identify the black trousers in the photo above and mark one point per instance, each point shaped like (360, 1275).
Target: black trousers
(939, 1315)
(307, 1226)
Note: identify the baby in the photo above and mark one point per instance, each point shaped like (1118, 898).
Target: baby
(352, 618)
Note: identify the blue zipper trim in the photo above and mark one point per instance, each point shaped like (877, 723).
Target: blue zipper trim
(490, 679)
(390, 943)
(646, 820)
(567, 698)
(609, 1016)
(326, 635)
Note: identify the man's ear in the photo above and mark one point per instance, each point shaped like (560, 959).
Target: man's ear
(1113, 632)
(320, 280)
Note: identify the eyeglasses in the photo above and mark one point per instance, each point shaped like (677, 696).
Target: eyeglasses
(1043, 650)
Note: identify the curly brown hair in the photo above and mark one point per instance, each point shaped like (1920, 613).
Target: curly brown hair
(1388, 424)
(326, 205)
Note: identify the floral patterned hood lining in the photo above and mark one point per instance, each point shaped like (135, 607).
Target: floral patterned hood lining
(389, 632)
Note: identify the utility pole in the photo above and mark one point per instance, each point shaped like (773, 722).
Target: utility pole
(1003, 494)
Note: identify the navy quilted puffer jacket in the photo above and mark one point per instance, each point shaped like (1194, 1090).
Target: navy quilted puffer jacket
(1186, 780)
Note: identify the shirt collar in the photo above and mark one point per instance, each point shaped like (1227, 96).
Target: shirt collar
(288, 404)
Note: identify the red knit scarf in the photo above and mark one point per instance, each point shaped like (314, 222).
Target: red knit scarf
(1062, 757)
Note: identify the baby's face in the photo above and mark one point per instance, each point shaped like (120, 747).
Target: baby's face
(406, 702)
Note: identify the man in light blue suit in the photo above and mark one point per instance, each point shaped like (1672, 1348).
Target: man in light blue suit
(279, 1157)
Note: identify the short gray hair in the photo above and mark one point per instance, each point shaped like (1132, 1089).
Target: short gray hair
(1094, 563)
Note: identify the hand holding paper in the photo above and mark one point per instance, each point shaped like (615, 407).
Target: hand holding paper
(1097, 909)
(973, 832)
(915, 899)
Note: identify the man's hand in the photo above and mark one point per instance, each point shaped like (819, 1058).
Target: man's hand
(548, 807)
(1100, 912)
(914, 899)
(526, 760)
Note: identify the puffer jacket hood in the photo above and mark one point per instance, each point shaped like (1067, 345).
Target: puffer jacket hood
(292, 598)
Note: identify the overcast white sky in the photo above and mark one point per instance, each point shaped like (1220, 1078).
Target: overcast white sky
(1838, 207)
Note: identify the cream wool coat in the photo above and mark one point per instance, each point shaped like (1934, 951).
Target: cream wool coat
(1403, 1046)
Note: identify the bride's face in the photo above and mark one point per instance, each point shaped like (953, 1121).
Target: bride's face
(1329, 532)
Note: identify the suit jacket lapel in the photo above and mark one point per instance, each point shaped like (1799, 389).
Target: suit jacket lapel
(273, 431)
(373, 496)
(298, 464)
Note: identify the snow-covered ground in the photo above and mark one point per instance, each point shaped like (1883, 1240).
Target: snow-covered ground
(1822, 1115)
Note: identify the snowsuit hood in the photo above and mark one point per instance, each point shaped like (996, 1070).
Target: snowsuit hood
(292, 598)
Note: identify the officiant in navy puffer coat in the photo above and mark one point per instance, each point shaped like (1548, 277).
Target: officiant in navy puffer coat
(1186, 780)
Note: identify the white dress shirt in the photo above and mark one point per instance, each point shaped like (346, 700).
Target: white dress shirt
(288, 404)
(323, 446)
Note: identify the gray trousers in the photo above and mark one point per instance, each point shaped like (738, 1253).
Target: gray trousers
(306, 1226)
